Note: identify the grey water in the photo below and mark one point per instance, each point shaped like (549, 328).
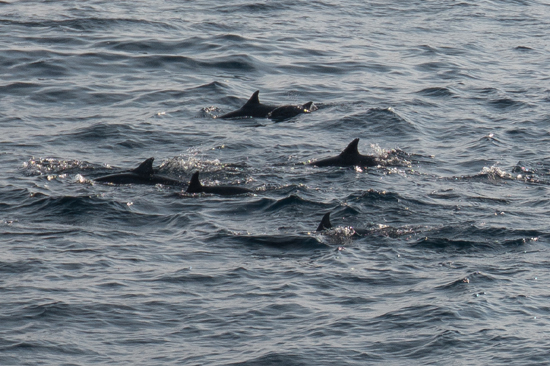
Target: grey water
(439, 255)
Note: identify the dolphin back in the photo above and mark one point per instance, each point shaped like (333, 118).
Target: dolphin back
(254, 109)
(348, 157)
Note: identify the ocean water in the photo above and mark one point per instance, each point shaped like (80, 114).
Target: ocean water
(437, 256)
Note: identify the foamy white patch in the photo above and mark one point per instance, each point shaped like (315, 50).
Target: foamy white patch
(494, 172)
(378, 150)
(389, 157)
(55, 176)
(185, 164)
(211, 109)
(394, 170)
(340, 235)
(49, 166)
(80, 179)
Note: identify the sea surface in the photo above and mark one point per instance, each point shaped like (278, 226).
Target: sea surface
(438, 256)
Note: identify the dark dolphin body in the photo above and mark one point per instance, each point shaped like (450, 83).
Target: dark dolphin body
(195, 186)
(253, 108)
(289, 111)
(349, 157)
(143, 174)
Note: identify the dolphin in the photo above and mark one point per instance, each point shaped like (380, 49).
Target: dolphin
(195, 186)
(392, 232)
(349, 157)
(289, 111)
(253, 108)
(143, 174)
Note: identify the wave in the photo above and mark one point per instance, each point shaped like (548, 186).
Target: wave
(507, 104)
(468, 238)
(494, 174)
(84, 24)
(21, 266)
(473, 278)
(273, 358)
(379, 120)
(437, 92)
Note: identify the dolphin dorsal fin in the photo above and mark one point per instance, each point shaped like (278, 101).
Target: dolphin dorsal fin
(325, 222)
(195, 185)
(145, 168)
(352, 148)
(254, 99)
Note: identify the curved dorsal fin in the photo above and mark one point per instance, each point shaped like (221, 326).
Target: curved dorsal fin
(307, 106)
(254, 99)
(325, 223)
(195, 185)
(352, 148)
(145, 168)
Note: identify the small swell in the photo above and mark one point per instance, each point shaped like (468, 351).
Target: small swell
(382, 121)
(73, 206)
(469, 237)
(239, 62)
(21, 266)
(474, 277)
(523, 49)
(87, 24)
(373, 196)
(272, 205)
(436, 92)
(506, 104)
(102, 131)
